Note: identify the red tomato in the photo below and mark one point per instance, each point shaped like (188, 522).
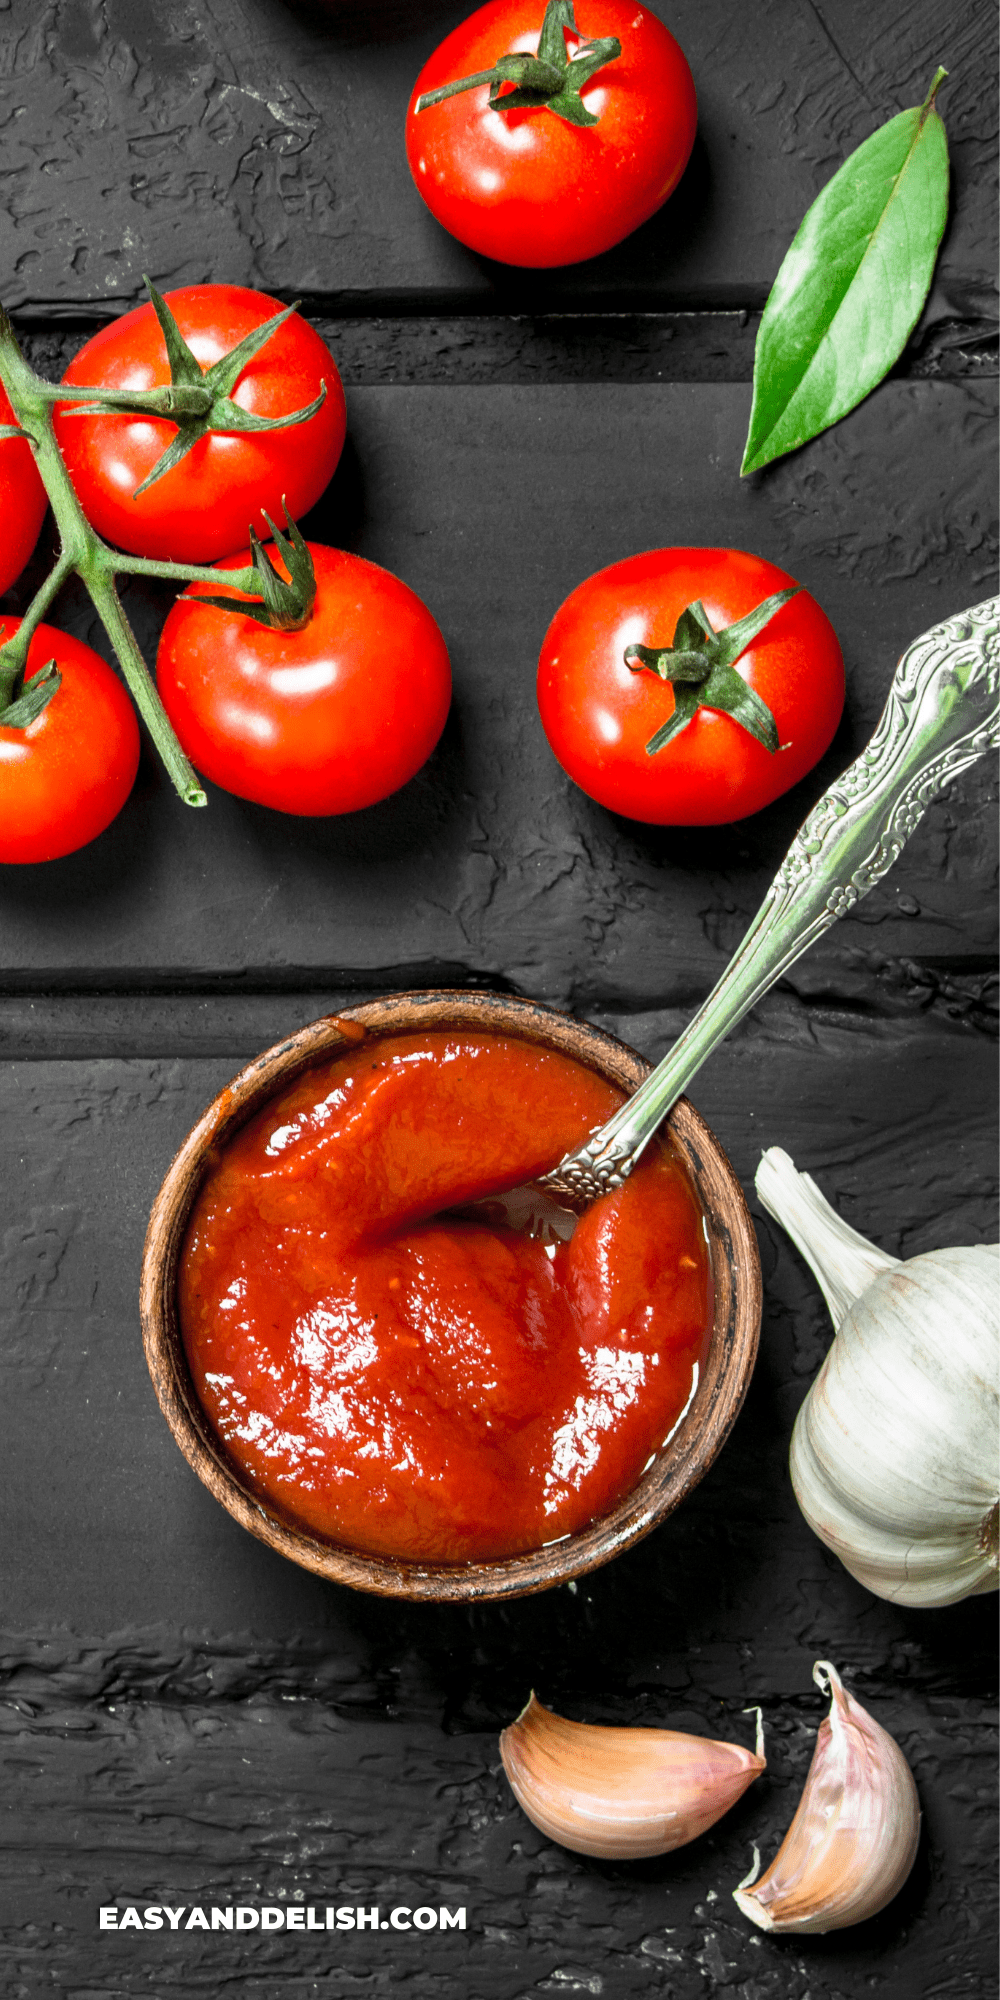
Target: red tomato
(599, 715)
(23, 501)
(204, 506)
(322, 720)
(525, 186)
(64, 777)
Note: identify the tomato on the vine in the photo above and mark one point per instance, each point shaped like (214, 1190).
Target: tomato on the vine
(23, 501)
(662, 702)
(64, 777)
(528, 184)
(204, 506)
(325, 719)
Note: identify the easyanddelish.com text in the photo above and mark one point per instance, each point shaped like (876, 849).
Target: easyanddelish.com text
(277, 1917)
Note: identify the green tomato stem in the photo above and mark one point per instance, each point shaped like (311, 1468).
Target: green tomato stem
(142, 686)
(550, 79)
(169, 572)
(454, 89)
(172, 399)
(14, 655)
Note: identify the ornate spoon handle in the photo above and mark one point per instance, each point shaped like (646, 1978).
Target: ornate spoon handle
(941, 715)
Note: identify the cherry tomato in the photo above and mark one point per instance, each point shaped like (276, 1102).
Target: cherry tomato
(599, 714)
(65, 776)
(527, 187)
(204, 507)
(22, 501)
(323, 720)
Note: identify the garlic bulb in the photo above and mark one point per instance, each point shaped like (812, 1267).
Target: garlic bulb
(894, 1452)
(854, 1837)
(622, 1793)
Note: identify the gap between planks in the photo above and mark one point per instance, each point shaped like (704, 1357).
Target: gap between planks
(391, 348)
(161, 1020)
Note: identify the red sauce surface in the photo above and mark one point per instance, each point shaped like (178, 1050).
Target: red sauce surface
(423, 1387)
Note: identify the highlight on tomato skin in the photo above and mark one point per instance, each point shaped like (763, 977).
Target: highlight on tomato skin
(65, 777)
(526, 187)
(200, 510)
(323, 720)
(599, 714)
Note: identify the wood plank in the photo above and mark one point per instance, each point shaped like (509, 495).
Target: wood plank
(493, 503)
(281, 1801)
(894, 1119)
(263, 144)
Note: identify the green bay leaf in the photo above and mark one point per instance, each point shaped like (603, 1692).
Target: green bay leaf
(852, 286)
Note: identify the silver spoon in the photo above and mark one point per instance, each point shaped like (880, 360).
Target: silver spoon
(942, 714)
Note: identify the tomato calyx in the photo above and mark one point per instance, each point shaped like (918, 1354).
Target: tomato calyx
(285, 604)
(198, 400)
(551, 80)
(700, 665)
(29, 699)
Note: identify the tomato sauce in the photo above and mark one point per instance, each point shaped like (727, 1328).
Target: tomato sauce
(424, 1386)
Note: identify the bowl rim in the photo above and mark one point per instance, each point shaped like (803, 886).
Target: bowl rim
(673, 1470)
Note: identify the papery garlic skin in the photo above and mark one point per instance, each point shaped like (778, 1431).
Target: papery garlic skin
(621, 1794)
(843, 1261)
(894, 1454)
(855, 1834)
(894, 1451)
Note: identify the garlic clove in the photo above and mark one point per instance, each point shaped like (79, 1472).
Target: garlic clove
(854, 1837)
(622, 1793)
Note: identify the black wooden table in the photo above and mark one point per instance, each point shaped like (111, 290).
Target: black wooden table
(186, 1718)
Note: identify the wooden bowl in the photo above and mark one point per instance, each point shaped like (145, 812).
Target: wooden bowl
(678, 1466)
